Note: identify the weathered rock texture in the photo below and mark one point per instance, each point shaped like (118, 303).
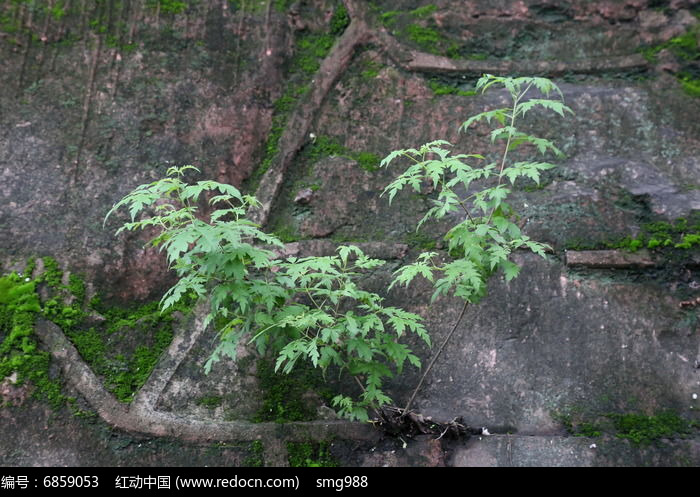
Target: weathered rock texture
(108, 96)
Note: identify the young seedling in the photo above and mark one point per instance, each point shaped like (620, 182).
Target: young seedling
(481, 243)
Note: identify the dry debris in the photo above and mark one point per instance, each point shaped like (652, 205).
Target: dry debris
(395, 421)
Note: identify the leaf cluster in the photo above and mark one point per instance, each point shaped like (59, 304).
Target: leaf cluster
(474, 193)
(301, 309)
(312, 308)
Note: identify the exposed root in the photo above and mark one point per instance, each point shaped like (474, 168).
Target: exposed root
(396, 422)
(142, 416)
(297, 129)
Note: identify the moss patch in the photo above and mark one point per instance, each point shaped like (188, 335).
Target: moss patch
(210, 401)
(440, 88)
(683, 234)
(417, 28)
(255, 456)
(19, 353)
(310, 50)
(340, 20)
(310, 455)
(325, 146)
(639, 428)
(686, 49)
(290, 397)
(123, 348)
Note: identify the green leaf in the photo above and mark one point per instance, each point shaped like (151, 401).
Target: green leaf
(510, 269)
(500, 115)
(405, 274)
(554, 105)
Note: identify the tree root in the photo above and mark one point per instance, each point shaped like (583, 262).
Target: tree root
(297, 129)
(399, 422)
(142, 417)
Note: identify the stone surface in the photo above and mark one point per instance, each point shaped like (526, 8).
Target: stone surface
(200, 87)
(528, 451)
(550, 340)
(609, 259)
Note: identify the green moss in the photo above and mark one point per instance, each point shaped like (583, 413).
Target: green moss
(443, 89)
(686, 49)
(368, 161)
(420, 240)
(125, 369)
(287, 234)
(641, 429)
(19, 353)
(283, 394)
(76, 286)
(256, 455)
(371, 69)
(388, 19)
(340, 20)
(168, 6)
(682, 234)
(685, 46)
(425, 38)
(324, 146)
(210, 401)
(575, 425)
(690, 85)
(90, 345)
(411, 27)
(52, 275)
(30, 267)
(282, 6)
(310, 455)
(311, 49)
(123, 373)
(425, 11)
(689, 241)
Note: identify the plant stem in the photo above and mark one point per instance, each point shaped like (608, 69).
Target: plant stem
(516, 99)
(435, 357)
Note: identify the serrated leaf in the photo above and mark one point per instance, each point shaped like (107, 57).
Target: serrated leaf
(510, 269)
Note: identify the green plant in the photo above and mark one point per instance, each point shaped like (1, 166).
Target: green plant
(443, 89)
(284, 395)
(686, 50)
(308, 309)
(19, 352)
(310, 455)
(662, 236)
(482, 242)
(256, 455)
(209, 401)
(641, 429)
(168, 6)
(340, 20)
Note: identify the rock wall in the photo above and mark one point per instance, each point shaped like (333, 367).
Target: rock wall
(102, 98)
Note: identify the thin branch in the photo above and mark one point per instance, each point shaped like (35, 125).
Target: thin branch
(435, 357)
(516, 99)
